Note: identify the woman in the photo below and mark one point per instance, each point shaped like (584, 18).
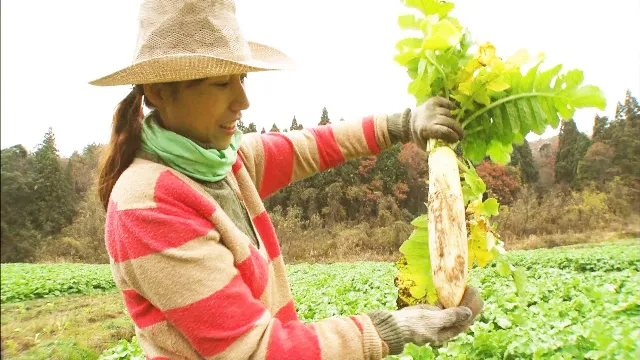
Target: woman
(191, 246)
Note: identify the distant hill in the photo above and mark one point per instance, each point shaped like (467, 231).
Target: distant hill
(536, 145)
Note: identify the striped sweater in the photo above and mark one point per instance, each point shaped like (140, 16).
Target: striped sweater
(197, 287)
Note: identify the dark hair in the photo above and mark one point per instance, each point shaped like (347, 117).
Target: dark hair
(126, 133)
(126, 136)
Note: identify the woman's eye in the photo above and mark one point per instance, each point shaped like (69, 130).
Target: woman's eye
(222, 85)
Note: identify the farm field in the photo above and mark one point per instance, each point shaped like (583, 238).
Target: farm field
(581, 302)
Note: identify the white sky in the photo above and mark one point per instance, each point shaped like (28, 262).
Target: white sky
(343, 48)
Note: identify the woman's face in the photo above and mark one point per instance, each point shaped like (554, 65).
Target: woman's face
(206, 111)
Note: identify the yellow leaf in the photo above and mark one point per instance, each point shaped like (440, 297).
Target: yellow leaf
(498, 85)
(465, 88)
(443, 35)
(497, 65)
(486, 53)
(473, 65)
(464, 76)
(483, 257)
(520, 58)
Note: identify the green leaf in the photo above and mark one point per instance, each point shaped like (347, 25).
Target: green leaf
(502, 267)
(527, 81)
(503, 322)
(543, 80)
(499, 152)
(563, 108)
(551, 115)
(430, 7)
(421, 221)
(520, 279)
(573, 78)
(513, 116)
(413, 247)
(480, 96)
(409, 22)
(589, 96)
(496, 114)
(420, 235)
(474, 181)
(444, 8)
(422, 66)
(525, 115)
(491, 207)
(443, 35)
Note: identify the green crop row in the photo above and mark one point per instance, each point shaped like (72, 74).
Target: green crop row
(32, 281)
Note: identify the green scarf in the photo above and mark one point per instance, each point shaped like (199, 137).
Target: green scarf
(185, 155)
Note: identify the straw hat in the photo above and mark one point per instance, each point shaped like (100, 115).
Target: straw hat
(190, 39)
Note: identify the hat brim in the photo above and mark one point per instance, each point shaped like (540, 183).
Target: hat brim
(190, 66)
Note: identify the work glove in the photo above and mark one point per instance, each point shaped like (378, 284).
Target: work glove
(426, 324)
(431, 120)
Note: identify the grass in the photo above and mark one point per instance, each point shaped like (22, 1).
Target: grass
(84, 326)
(70, 327)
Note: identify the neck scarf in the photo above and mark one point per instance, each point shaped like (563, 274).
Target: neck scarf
(186, 156)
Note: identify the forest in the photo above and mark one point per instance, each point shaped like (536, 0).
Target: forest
(569, 188)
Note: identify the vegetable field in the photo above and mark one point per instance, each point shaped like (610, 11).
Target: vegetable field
(580, 302)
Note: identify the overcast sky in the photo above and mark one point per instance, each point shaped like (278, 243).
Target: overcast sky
(343, 49)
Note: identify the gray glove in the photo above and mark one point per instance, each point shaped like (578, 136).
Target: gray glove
(431, 120)
(426, 324)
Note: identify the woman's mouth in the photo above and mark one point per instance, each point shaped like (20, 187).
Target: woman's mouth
(229, 128)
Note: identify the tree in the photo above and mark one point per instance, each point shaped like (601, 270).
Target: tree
(263, 131)
(295, 125)
(251, 128)
(627, 141)
(571, 148)
(522, 158)
(18, 238)
(83, 168)
(53, 189)
(546, 162)
(241, 127)
(502, 181)
(597, 165)
(324, 118)
(599, 127)
(274, 128)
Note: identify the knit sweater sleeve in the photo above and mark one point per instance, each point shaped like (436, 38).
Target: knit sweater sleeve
(274, 160)
(172, 266)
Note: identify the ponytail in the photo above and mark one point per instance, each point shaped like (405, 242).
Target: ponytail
(126, 136)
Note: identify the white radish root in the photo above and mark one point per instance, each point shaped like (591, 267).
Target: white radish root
(447, 228)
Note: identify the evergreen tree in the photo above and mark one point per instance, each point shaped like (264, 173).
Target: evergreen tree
(251, 128)
(627, 143)
(274, 128)
(597, 165)
(295, 125)
(522, 158)
(599, 126)
(324, 119)
(571, 148)
(263, 131)
(18, 239)
(53, 188)
(241, 127)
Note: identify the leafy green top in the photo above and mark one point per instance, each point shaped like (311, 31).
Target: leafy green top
(499, 102)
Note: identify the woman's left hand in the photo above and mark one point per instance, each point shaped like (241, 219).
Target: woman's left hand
(433, 120)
